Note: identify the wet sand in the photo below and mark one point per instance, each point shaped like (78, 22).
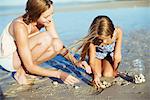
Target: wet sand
(44, 89)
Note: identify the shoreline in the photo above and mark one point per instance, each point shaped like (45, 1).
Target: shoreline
(102, 5)
(72, 7)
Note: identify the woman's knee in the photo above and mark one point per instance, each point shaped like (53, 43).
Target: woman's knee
(45, 39)
(57, 45)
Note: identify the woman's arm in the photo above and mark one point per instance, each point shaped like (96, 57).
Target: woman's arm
(51, 29)
(64, 51)
(117, 52)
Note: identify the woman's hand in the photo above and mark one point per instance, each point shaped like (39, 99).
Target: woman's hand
(84, 64)
(68, 79)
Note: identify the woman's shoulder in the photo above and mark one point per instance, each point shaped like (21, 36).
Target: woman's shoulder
(18, 21)
(18, 24)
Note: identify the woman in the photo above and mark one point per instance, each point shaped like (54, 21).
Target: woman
(23, 46)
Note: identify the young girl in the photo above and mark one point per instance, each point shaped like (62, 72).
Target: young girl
(102, 46)
(23, 46)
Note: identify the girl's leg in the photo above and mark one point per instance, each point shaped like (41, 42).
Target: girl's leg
(107, 68)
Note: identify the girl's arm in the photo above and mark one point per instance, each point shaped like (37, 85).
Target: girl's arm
(92, 56)
(117, 52)
(95, 69)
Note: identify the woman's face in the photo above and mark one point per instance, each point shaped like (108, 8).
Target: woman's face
(46, 17)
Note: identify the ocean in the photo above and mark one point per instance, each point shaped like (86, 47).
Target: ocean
(72, 23)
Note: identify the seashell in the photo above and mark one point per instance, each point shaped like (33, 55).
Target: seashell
(102, 86)
(55, 83)
(140, 80)
(143, 80)
(109, 84)
(142, 76)
(104, 82)
(76, 87)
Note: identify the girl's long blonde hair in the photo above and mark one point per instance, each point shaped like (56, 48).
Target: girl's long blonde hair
(101, 25)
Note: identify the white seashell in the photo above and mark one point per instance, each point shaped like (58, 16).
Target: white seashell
(109, 84)
(105, 83)
(136, 76)
(143, 80)
(76, 87)
(140, 80)
(55, 83)
(137, 80)
(103, 86)
(142, 76)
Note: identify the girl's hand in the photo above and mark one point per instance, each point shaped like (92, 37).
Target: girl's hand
(84, 64)
(97, 81)
(68, 79)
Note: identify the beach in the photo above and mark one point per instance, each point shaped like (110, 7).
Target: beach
(136, 45)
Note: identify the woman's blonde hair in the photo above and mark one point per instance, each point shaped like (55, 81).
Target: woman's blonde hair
(34, 9)
(101, 25)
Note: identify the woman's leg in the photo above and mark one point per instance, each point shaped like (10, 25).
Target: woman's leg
(20, 74)
(39, 44)
(44, 49)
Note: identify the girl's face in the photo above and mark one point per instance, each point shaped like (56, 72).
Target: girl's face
(105, 40)
(46, 17)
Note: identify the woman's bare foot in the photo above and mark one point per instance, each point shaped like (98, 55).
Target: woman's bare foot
(22, 79)
(31, 76)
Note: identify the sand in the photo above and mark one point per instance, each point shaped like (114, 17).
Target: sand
(44, 89)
